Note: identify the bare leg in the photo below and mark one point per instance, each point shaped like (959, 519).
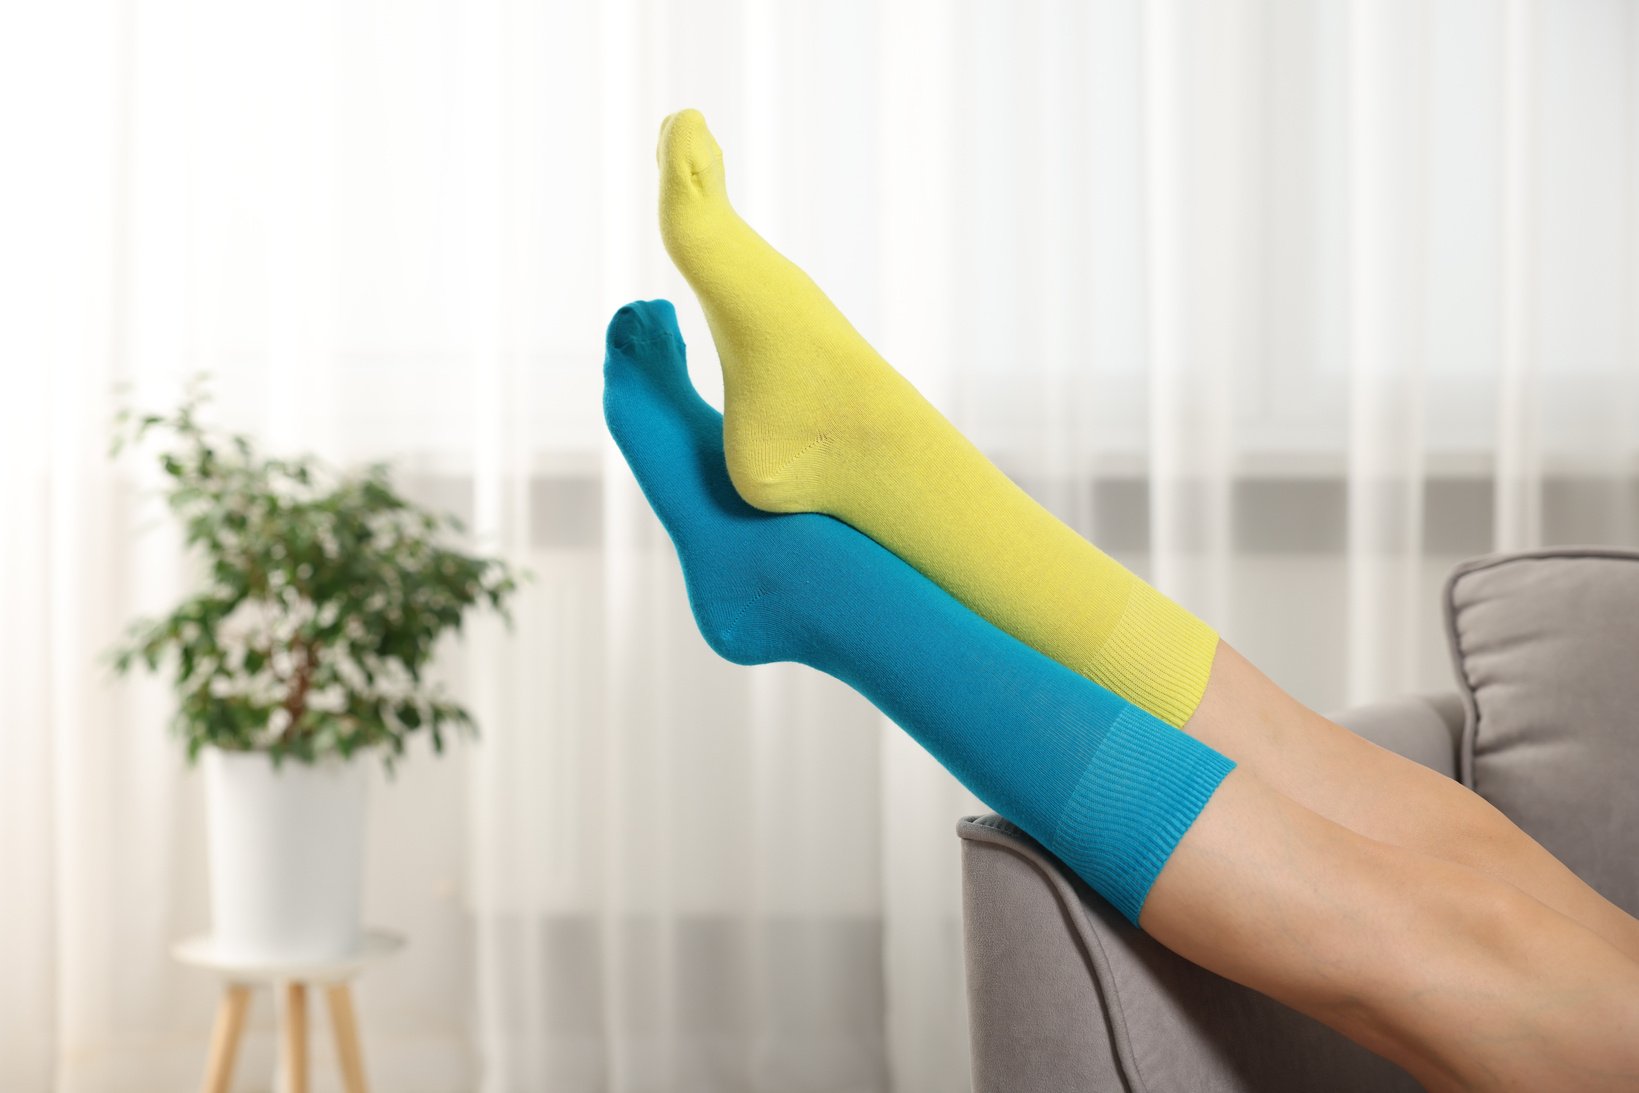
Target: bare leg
(1464, 980)
(1387, 797)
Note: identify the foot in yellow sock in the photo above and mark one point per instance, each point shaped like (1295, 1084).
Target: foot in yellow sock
(816, 421)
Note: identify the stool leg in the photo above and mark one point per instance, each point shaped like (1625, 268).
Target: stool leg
(347, 1037)
(294, 1036)
(230, 1023)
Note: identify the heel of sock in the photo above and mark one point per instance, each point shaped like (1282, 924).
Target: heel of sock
(741, 632)
(779, 475)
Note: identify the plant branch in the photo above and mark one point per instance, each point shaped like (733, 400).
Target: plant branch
(296, 701)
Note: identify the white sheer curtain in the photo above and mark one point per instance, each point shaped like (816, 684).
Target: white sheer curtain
(1289, 305)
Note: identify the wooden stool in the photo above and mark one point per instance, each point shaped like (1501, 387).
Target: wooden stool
(292, 982)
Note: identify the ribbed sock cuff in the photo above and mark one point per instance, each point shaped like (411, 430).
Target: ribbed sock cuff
(1158, 656)
(1140, 791)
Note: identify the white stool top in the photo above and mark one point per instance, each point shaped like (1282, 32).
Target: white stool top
(375, 945)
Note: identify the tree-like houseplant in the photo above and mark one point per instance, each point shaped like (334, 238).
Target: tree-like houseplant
(301, 652)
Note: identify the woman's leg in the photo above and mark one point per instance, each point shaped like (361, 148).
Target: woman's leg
(1457, 975)
(1462, 979)
(818, 422)
(1387, 797)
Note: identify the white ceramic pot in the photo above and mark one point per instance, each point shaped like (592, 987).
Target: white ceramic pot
(286, 856)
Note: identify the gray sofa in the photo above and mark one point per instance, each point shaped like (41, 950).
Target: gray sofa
(1066, 997)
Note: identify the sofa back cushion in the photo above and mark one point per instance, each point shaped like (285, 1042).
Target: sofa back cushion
(1546, 650)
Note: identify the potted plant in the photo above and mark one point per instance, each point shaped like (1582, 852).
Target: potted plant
(301, 653)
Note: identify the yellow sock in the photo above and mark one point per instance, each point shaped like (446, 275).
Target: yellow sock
(816, 421)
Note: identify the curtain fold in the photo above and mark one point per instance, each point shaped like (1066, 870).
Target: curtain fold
(1387, 274)
(1288, 306)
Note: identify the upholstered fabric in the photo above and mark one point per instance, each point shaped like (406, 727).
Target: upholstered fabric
(1546, 651)
(1066, 997)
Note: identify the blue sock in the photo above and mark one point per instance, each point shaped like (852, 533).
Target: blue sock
(1105, 786)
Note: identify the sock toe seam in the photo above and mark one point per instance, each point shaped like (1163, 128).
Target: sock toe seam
(644, 340)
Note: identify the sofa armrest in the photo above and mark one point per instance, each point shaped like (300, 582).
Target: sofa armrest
(1065, 994)
(1424, 727)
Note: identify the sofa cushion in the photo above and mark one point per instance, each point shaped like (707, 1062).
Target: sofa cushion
(1546, 650)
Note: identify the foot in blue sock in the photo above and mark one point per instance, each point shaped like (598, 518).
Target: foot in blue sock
(1099, 782)
(673, 440)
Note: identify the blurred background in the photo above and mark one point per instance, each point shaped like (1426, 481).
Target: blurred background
(1288, 304)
